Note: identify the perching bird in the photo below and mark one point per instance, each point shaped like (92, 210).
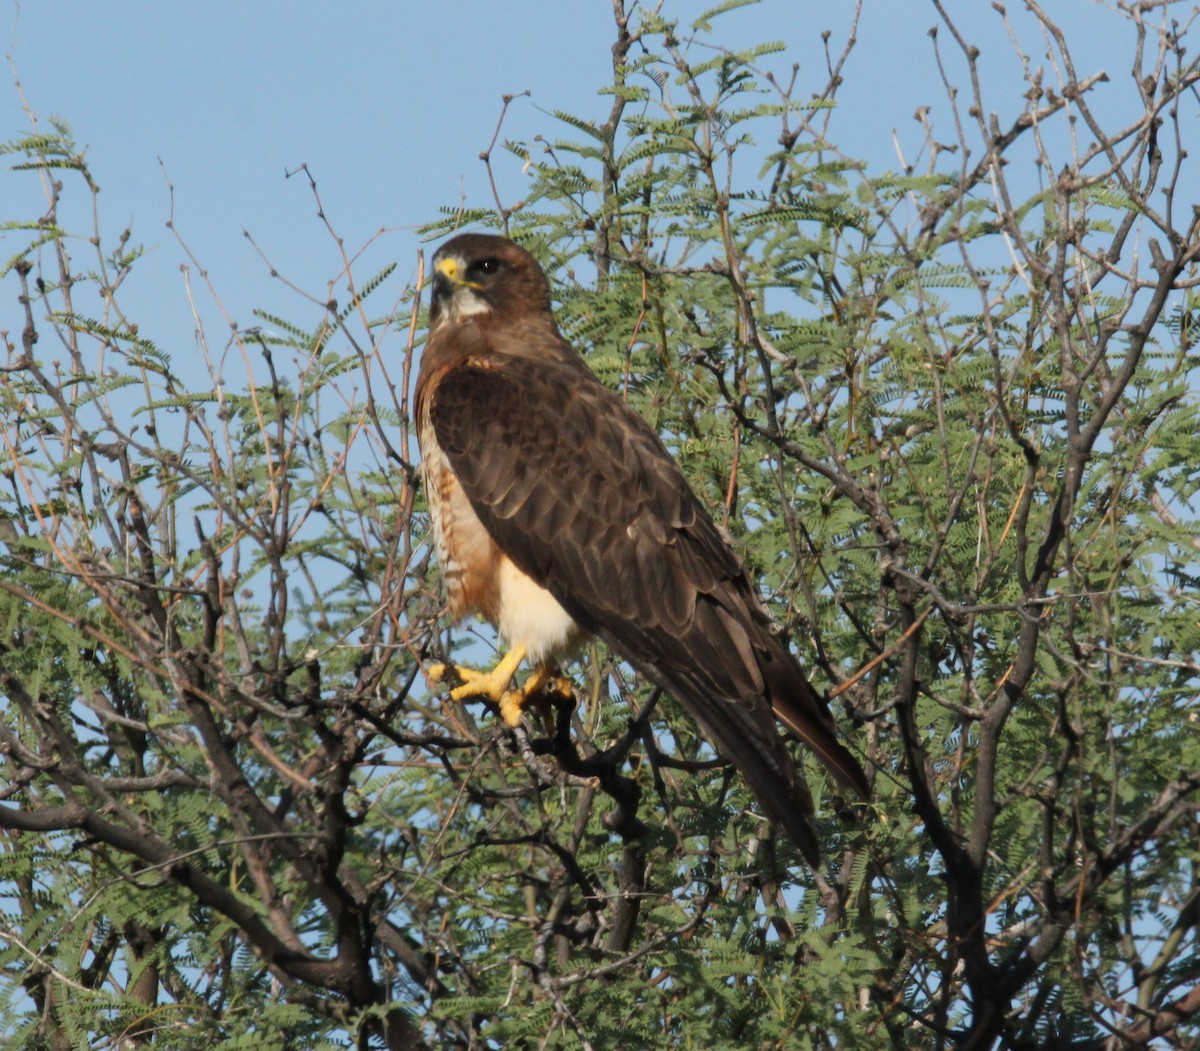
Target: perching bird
(558, 512)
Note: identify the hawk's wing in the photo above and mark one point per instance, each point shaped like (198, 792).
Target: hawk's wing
(581, 494)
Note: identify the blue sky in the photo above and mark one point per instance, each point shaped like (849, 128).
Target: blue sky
(389, 104)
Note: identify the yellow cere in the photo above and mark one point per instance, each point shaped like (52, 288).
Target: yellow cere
(449, 268)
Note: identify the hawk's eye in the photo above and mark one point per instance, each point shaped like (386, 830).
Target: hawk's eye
(487, 267)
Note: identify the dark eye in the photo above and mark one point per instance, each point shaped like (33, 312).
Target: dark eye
(488, 266)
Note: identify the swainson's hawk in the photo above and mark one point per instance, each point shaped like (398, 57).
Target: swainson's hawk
(558, 512)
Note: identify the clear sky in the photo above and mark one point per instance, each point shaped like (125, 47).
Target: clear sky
(389, 104)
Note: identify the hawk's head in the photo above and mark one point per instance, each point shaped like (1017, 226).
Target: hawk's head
(476, 274)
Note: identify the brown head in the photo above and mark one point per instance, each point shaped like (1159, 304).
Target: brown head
(481, 274)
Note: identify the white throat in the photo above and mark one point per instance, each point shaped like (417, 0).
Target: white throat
(465, 303)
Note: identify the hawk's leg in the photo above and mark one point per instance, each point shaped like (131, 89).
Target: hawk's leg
(494, 685)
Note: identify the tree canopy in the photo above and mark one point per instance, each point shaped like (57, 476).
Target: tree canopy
(945, 409)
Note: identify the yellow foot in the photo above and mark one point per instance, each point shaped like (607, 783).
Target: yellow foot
(491, 685)
(458, 676)
(542, 684)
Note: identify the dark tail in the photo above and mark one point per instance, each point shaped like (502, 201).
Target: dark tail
(797, 705)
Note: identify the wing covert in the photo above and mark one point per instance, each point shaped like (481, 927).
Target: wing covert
(578, 491)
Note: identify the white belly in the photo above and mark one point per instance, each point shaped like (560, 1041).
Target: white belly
(529, 614)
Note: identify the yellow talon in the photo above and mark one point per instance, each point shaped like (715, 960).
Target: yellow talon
(460, 676)
(494, 685)
(512, 707)
(560, 689)
(440, 672)
(542, 685)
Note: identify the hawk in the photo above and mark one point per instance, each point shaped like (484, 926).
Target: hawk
(557, 513)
